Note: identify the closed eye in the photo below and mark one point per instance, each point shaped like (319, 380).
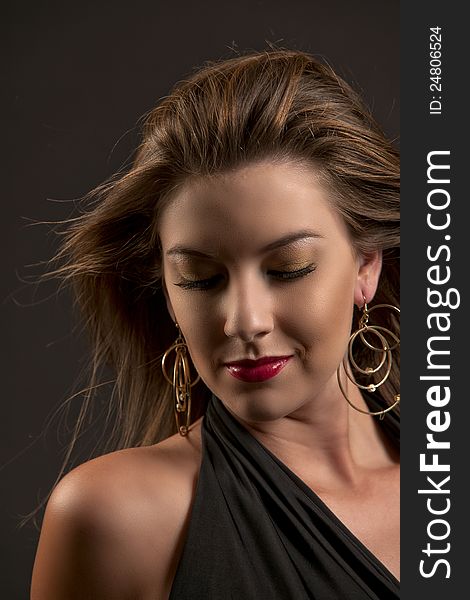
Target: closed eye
(210, 283)
(283, 275)
(199, 284)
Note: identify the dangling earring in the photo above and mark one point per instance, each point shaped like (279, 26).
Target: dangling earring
(386, 358)
(181, 382)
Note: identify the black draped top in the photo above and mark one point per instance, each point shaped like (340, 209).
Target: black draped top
(257, 531)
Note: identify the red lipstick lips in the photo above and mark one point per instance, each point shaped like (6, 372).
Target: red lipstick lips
(262, 369)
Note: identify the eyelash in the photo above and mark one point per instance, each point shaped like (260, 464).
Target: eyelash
(206, 284)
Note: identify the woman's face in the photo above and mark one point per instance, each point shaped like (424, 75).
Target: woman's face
(257, 263)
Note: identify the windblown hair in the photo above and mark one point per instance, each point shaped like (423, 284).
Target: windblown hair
(276, 105)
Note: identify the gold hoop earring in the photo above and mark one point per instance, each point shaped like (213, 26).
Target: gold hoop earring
(386, 357)
(181, 382)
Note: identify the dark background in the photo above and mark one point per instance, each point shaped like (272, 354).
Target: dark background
(78, 76)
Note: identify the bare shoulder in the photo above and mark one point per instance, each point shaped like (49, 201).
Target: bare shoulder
(115, 526)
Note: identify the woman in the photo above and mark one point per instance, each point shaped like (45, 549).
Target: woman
(252, 250)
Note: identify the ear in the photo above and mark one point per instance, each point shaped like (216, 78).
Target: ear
(168, 301)
(370, 266)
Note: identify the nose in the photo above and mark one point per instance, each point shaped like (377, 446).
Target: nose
(249, 312)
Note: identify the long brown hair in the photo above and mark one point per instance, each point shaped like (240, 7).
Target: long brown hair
(274, 105)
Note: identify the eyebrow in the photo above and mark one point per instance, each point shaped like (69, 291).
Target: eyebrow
(285, 240)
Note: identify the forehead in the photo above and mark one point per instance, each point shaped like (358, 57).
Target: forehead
(250, 207)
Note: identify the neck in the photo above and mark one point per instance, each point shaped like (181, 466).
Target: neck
(327, 441)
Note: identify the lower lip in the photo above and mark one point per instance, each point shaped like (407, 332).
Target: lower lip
(258, 373)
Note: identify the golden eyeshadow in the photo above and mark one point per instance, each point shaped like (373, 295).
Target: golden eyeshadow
(290, 260)
(290, 265)
(197, 273)
(196, 269)
(187, 265)
(283, 259)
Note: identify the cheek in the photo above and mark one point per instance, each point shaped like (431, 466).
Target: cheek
(321, 314)
(199, 322)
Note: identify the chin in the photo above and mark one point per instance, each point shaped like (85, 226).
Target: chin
(259, 405)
